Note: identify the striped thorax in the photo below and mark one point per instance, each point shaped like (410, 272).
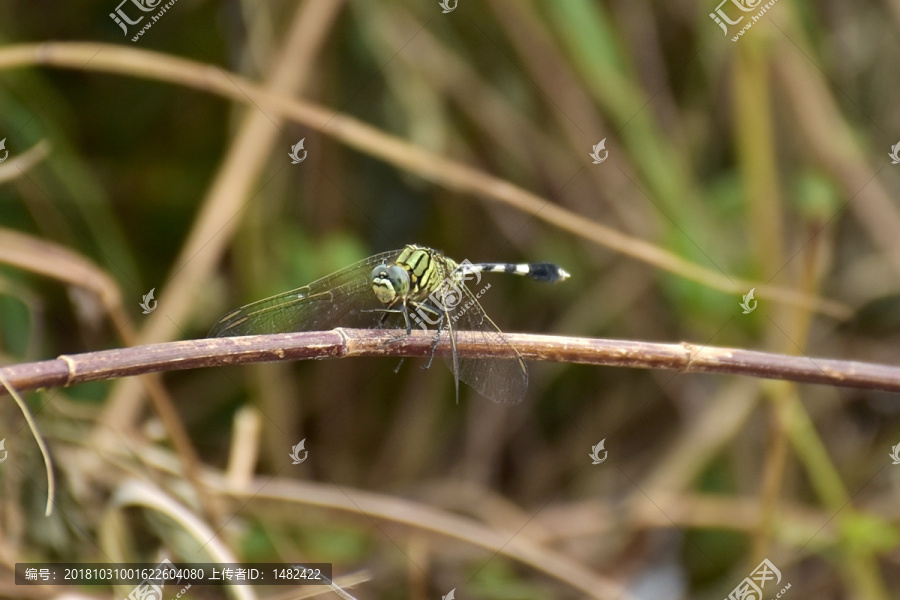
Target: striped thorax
(416, 273)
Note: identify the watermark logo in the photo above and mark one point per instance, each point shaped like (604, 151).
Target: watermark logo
(6, 152)
(449, 595)
(895, 454)
(595, 452)
(448, 298)
(3, 449)
(148, 298)
(295, 149)
(295, 452)
(151, 589)
(123, 20)
(596, 153)
(751, 588)
(723, 20)
(895, 153)
(748, 299)
(448, 7)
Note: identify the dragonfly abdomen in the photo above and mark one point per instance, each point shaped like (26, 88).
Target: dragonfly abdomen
(547, 272)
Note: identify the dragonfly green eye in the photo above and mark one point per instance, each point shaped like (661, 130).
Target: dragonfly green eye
(389, 283)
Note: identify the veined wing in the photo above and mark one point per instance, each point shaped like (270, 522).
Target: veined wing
(337, 300)
(503, 380)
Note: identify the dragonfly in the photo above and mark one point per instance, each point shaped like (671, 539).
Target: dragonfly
(413, 286)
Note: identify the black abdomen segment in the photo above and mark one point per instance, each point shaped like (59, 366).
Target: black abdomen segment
(547, 272)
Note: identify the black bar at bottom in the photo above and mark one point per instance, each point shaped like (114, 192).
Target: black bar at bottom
(173, 574)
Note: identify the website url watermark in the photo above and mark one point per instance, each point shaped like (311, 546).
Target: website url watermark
(123, 20)
(449, 299)
(723, 20)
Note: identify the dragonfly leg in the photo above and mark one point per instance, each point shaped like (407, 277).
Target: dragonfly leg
(437, 338)
(387, 311)
(384, 316)
(440, 326)
(442, 317)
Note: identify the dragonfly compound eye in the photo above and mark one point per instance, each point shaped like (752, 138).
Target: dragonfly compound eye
(389, 283)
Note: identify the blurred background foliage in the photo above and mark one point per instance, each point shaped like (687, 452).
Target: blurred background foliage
(764, 159)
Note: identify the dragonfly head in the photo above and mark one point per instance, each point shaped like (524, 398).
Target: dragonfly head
(390, 283)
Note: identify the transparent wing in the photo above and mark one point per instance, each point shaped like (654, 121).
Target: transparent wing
(337, 300)
(503, 380)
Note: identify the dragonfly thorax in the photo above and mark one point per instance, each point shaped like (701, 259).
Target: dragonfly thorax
(428, 270)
